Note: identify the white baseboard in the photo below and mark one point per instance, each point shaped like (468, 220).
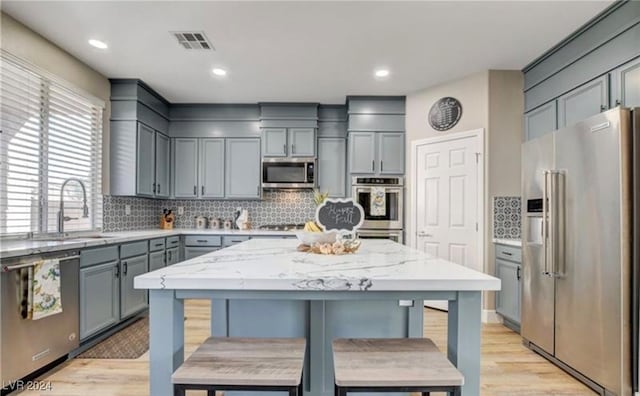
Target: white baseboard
(490, 316)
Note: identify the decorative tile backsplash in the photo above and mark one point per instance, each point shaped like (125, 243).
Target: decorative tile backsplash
(506, 217)
(145, 213)
(276, 207)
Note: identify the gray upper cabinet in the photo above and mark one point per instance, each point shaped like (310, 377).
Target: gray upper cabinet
(288, 142)
(185, 168)
(243, 169)
(274, 142)
(540, 121)
(376, 153)
(332, 163)
(625, 85)
(145, 167)
(362, 152)
(302, 142)
(583, 102)
(99, 298)
(162, 160)
(212, 168)
(132, 300)
(391, 153)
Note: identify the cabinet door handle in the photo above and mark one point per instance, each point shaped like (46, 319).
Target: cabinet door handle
(202, 190)
(293, 149)
(195, 190)
(125, 268)
(373, 165)
(284, 148)
(169, 251)
(518, 273)
(381, 166)
(117, 271)
(258, 190)
(154, 187)
(164, 258)
(158, 188)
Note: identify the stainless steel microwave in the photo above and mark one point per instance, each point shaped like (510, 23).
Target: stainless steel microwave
(288, 172)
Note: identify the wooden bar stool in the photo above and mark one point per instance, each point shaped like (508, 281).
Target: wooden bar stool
(243, 364)
(393, 365)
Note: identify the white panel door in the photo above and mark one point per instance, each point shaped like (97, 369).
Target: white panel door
(447, 201)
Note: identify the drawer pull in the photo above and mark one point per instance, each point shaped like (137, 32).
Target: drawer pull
(202, 240)
(507, 253)
(158, 244)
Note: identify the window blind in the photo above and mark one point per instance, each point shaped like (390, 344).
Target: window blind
(49, 134)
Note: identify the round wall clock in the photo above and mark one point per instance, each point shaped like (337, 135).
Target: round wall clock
(445, 113)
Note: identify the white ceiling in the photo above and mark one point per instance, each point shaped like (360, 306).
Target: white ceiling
(303, 51)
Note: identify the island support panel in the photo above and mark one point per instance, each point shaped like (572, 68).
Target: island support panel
(318, 316)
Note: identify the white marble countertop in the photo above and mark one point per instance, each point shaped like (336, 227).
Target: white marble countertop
(22, 247)
(508, 242)
(276, 265)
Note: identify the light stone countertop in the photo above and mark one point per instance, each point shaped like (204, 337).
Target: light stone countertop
(23, 247)
(276, 265)
(508, 242)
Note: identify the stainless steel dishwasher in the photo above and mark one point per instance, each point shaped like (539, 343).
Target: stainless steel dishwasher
(28, 345)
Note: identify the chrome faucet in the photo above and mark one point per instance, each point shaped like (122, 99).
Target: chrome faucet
(85, 209)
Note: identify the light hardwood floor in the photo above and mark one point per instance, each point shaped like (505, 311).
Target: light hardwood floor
(508, 368)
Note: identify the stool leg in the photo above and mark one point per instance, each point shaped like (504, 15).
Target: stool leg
(178, 391)
(300, 389)
(426, 393)
(211, 392)
(293, 391)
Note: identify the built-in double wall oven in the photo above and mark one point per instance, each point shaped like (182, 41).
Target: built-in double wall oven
(382, 199)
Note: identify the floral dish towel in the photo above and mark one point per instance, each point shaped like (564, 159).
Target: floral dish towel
(46, 289)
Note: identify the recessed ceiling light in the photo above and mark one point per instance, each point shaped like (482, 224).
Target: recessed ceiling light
(382, 73)
(98, 44)
(219, 72)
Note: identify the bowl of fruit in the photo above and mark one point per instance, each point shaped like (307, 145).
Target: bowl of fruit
(312, 234)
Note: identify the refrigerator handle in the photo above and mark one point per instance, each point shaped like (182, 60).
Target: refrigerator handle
(545, 222)
(557, 230)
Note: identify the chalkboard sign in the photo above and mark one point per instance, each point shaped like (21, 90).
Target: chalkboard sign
(445, 114)
(342, 215)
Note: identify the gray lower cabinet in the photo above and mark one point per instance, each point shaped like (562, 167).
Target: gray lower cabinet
(162, 162)
(193, 251)
(157, 260)
(173, 255)
(274, 142)
(508, 270)
(211, 168)
(145, 167)
(332, 165)
(362, 152)
(99, 298)
(243, 168)
(541, 120)
(376, 153)
(230, 240)
(583, 102)
(185, 168)
(132, 300)
(625, 85)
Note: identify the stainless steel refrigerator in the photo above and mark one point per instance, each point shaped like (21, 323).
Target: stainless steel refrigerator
(580, 188)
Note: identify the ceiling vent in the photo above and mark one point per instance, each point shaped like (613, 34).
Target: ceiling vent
(193, 40)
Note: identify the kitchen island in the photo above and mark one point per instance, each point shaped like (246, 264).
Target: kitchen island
(267, 288)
